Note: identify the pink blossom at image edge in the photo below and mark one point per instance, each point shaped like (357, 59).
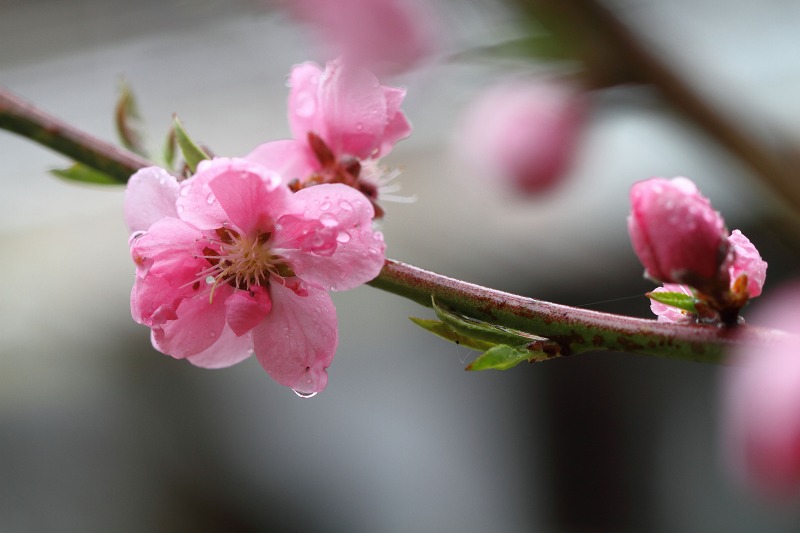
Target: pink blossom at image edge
(761, 404)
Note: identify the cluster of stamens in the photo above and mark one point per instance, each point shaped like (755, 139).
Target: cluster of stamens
(241, 261)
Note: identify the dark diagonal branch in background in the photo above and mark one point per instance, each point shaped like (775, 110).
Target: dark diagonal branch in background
(614, 54)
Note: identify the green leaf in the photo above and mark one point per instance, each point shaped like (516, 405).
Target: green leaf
(501, 357)
(476, 329)
(192, 153)
(442, 330)
(85, 174)
(675, 299)
(128, 121)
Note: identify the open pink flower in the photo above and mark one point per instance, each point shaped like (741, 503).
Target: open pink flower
(524, 133)
(386, 36)
(761, 403)
(230, 262)
(677, 235)
(342, 120)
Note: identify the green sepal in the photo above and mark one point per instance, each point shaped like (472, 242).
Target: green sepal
(443, 330)
(170, 148)
(501, 357)
(128, 121)
(84, 174)
(476, 329)
(192, 153)
(675, 299)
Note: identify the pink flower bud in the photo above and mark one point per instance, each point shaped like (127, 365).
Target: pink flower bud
(524, 132)
(747, 261)
(761, 403)
(677, 235)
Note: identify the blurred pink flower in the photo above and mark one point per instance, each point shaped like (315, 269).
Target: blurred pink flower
(747, 261)
(677, 235)
(524, 132)
(230, 262)
(761, 403)
(342, 120)
(384, 36)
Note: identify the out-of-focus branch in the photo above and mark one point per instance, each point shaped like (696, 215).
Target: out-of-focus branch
(20, 117)
(614, 54)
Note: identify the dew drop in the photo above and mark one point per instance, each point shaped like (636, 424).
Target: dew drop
(325, 206)
(345, 205)
(212, 334)
(328, 220)
(180, 208)
(343, 237)
(210, 198)
(184, 191)
(209, 279)
(304, 394)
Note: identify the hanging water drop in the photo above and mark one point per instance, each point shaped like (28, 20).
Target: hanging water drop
(304, 394)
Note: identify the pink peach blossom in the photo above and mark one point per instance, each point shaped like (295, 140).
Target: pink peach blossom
(230, 262)
(385, 36)
(342, 120)
(524, 132)
(677, 235)
(747, 261)
(761, 403)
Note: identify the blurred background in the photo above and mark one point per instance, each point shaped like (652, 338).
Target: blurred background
(98, 432)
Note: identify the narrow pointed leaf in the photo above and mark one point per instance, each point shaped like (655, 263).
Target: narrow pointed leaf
(192, 153)
(85, 174)
(170, 147)
(128, 121)
(501, 357)
(675, 299)
(442, 330)
(469, 327)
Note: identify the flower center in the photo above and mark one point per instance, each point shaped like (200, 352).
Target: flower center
(243, 261)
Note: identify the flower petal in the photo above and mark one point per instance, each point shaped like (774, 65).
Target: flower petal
(246, 309)
(360, 251)
(227, 351)
(747, 261)
(150, 196)
(199, 325)
(297, 341)
(292, 159)
(305, 114)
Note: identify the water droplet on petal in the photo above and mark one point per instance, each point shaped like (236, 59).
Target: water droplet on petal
(304, 394)
(325, 206)
(343, 237)
(210, 198)
(209, 279)
(184, 191)
(345, 205)
(180, 208)
(212, 334)
(328, 220)
(137, 235)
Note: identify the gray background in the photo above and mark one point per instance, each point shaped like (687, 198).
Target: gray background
(98, 432)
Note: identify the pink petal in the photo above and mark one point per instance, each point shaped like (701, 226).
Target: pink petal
(150, 196)
(199, 325)
(398, 127)
(246, 309)
(229, 350)
(747, 261)
(297, 341)
(305, 114)
(291, 159)
(250, 196)
(360, 252)
(170, 246)
(354, 107)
